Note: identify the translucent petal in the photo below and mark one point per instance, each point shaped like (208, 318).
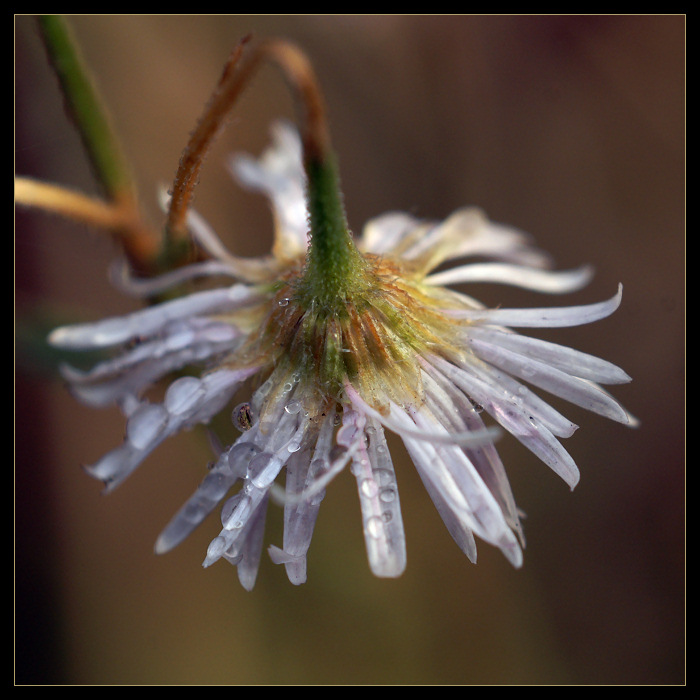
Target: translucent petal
(506, 410)
(115, 331)
(463, 500)
(580, 392)
(203, 501)
(573, 362)
(468, 232)
(251, 551)
(279, 173)
(379, 502)
(549, 281)
(464, 438)
(541, 318)
(454, 409)
(303, 470)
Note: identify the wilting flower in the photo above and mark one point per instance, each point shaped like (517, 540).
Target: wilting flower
(391, 348)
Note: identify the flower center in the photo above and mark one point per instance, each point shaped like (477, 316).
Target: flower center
(372, 336)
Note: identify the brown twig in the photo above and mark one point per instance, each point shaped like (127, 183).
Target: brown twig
(234, 79)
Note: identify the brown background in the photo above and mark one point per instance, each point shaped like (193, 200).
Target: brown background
(570, 127)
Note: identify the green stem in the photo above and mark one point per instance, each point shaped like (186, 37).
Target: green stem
(86, 108)
(335, 269)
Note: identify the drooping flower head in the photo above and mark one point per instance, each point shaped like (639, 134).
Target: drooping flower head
(319, 348)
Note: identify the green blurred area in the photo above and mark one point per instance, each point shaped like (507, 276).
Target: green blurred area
(570, 127)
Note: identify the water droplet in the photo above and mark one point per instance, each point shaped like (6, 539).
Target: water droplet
(182, 395)
(293, 407)
(180, 337)
(239, 457)
(374, 527)
(384, 477)
(263, 469)
(287, 387)
(284, 301)
(387, 495)
(235, 513)
(294, 446)
(191, 512)
(145, 425)
(369, 488)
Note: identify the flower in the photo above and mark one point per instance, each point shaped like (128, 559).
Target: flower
(332, 368)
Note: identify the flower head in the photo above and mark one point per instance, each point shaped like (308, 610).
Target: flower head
(336, 340)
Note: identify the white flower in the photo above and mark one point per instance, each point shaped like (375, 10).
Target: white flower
(404, 354)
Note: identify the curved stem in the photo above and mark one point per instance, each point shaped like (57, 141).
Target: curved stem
(86, 108)
(140, 245)
(121, 214)
(233, 81)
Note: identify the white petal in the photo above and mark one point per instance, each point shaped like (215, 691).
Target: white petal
(573, 362)
(150, 424)
(549, 281)
(468, 232)
(211, 491)
(122, 278)
(462, 492)
(454, 409)
(115, 331)
(580, 392)
(379, 502)
(279, 173)
(464, 438)
(132, 372)
(541, 318)
(249, 560)
(506, 410)
(391, 232)
(300, 515)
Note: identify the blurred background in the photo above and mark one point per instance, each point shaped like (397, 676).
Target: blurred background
(569, 127)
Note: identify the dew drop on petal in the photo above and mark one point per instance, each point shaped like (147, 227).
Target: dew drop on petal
(293, 407)
(374, 526)
(182, 337)
(369, 488)
(182, 395)
(263, 469)
(387, 495)
(383, 477)
(235, 512)
(145, 425)
(239, 457)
